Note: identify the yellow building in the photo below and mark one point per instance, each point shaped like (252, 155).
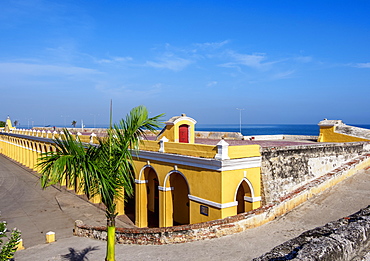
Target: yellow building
(181, 182)
(178, 181)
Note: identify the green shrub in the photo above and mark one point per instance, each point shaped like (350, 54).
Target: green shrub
(8, 248)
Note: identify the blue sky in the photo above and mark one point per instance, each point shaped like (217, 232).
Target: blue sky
(281, 61)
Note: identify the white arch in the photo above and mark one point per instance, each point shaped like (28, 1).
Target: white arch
(179, 172)
(250, 187)
(142, 171)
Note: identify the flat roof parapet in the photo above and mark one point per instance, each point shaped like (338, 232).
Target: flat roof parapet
(328, 123)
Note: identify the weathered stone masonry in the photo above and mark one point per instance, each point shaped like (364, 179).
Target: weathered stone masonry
(345, 239)
(284, 169)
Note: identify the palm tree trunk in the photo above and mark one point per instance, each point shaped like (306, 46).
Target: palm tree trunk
(111, 243)
(111, 237)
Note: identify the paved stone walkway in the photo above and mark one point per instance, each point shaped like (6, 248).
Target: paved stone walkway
(26, 206)
(23, 204)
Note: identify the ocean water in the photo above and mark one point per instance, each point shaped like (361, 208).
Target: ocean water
(268, 129)
(259, 129)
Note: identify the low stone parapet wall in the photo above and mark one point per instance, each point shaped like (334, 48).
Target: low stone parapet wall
(229, 225)
(345, 239)
(285, 169)
(218, 135)
(282, 137)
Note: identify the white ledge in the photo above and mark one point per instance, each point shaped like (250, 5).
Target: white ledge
(165, 188)
(212, 203)
(252, 199)
(138, 181)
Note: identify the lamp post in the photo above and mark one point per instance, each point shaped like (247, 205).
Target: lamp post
(65, 118)
(240, 119)
(28, 122)
(95, 118)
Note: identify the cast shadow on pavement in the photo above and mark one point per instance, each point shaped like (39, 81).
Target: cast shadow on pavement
(74, 255)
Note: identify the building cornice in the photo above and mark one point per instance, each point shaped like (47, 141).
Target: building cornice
(204, 163)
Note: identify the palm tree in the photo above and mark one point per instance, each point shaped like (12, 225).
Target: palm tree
(74, 124)
(105, 170)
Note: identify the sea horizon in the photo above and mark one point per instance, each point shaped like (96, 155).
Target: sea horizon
(246, 129)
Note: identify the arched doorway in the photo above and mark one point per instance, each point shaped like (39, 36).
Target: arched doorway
(242, 193)
(184, 133)
(180, 199)
(152, 197)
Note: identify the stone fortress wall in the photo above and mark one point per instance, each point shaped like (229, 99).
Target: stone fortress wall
(290, 176)
(284, 169)
(343, 239)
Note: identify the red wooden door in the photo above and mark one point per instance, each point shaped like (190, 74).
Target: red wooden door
(184, 133)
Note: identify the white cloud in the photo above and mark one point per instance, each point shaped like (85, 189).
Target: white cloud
(214, 45)
(362, 65)
(303, 59)
(129, 92)
(170, 62)
(43, 69)
(283, 75)
(115, 60)
(213, 83)
(255, 60)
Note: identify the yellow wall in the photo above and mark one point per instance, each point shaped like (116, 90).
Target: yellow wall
(212, 188)
(328, 134)
(244, 151)
(195, 150)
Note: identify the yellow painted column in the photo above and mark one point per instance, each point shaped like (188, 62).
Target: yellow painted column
(32, 154)
(13, 149)
(5, 146)
(8, 149)
(16, 150)
(78, 188)
(95, 199)
(120, 203)
(19, 150)
(22, 151)
(11, 154)
(141, 202)
(70, 184)
(29, 154)
(64, 181)
(36, 155)
(165, 207)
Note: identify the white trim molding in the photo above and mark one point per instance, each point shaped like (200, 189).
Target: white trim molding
(252, 199)
(165, 188)
(138, 181)
(212, 203)
(204, 163)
